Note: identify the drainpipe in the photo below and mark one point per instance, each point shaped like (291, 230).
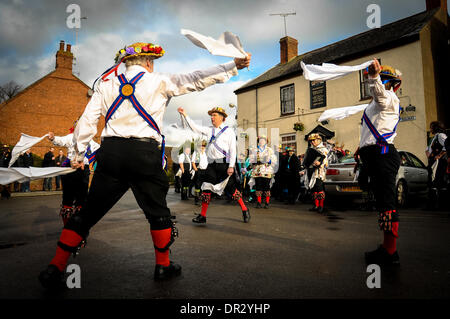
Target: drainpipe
(256, 94)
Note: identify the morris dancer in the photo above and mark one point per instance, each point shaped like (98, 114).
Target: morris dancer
(133, 104)
(379, 155)
(316, 163)
(264, 160)
(185, 162)
(200, 164)
(221, 152)
(75, 185)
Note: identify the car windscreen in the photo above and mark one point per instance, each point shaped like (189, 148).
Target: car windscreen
(346, 159)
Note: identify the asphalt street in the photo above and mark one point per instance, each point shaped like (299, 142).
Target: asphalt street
(285, 252)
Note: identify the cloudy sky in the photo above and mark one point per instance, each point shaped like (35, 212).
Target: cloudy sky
(30, 32)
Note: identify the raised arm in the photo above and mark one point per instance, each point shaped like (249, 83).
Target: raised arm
(194, 127)
(63, 141)
(178, 84)
(376, 87)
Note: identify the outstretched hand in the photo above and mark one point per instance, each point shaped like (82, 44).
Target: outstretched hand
(243, 63)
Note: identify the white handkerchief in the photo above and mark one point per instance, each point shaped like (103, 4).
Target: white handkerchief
(23, 174)
(25, 143)
(217, 188)
(227, 44)
(340, 113)
(328, 71)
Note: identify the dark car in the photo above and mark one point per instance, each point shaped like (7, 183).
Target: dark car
(412, 177)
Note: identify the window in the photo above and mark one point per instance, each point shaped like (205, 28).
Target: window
(364, 85)
(287, 99)
(289, 140)
(417, 162)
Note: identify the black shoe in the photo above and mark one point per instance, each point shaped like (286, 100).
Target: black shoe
(320, 209)
(246, 215)
(380, 256)
(52, 278)
(266, 205)
(164, 273)
(314, 209)
(258, 205)
(199, 219)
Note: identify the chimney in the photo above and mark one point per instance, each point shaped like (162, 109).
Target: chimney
(288, 49)
(64, 58)
(431, 4)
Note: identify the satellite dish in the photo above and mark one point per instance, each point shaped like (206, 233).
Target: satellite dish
(90, 92)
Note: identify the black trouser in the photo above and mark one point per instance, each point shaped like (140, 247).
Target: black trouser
(75, 187)
(123, 163)
(262, 184)
(216, 173)
(186, 176)
(199, 178)
(382, 170)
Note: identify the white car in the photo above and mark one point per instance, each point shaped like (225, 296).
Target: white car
(412, 177)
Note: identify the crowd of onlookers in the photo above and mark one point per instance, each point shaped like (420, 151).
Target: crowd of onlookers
(28, 159)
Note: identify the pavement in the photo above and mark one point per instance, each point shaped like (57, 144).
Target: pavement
(285, 252)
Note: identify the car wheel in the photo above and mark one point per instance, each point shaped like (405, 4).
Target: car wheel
(402, 193)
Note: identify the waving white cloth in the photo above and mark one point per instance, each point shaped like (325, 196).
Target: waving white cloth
(340, 113)
(23, 174)
(217, 188)
(328, 71)
(25, 143)
(227, 44)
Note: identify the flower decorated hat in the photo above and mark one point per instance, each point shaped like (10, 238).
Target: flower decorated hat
(139, 49)
(129, 51)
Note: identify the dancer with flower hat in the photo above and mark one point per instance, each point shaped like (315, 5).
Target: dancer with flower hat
(380, 157)
(133, 104)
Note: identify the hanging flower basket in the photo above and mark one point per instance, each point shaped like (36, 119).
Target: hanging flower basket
(299, 126)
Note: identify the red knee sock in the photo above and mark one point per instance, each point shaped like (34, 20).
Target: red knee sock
(69, 238)
(267, 199)
(204, 209)
(321, 202)
(241, 202)
(160, 239)
(316, 202)
(258, 198)
(390, 239)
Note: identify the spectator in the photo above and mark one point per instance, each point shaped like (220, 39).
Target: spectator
(59, 161)
(27, 161)
(437, 164)
(4, 162)
(49, 161)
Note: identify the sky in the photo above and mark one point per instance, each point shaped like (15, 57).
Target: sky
(30, 32)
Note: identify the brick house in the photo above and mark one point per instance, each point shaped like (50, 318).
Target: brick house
(52, 103)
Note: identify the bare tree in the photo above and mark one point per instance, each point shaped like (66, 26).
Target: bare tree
(8, 90)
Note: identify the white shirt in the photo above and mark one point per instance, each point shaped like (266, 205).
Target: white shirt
(383, 112)
(201, 158)
(226, 141)
(67, 141)
(185, 158)
(153, 91)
